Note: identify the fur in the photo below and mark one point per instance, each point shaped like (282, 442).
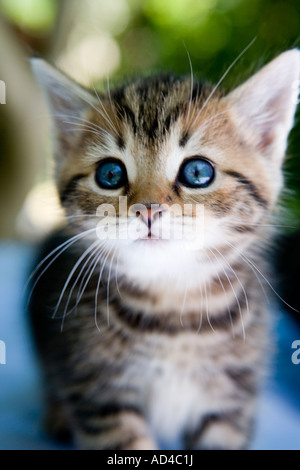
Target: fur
(143, 340)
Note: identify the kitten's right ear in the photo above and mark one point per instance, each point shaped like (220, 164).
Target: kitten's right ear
(265, 104)
(68, 101)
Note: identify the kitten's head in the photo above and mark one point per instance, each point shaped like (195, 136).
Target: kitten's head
(171, 173)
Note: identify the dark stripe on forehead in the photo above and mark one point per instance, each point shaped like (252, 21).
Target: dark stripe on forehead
(150, 127)
(184, 139)
(159, 86)
(124, 111)
(171, 118)
(153, 104)
(120, 142)
(128, 114)
(70, 187)
(251, 188)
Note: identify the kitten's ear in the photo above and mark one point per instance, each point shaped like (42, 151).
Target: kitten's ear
(68, 101)
(265, 104)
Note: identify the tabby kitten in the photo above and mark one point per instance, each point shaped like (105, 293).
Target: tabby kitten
(148, 307)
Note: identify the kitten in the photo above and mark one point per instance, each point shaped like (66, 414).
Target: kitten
(148, 307)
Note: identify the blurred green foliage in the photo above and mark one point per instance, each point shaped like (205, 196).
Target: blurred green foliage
(158, 35)
(36, 15)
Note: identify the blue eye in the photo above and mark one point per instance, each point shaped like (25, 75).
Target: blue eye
(196, 173)
(111, 174)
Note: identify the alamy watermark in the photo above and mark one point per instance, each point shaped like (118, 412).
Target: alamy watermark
(296, 354)
(2, 92)
(155, 221)
(2, 352)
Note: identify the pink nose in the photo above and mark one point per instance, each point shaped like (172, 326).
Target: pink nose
(148, 215)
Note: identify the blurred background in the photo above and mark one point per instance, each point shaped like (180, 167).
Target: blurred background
(95, 41)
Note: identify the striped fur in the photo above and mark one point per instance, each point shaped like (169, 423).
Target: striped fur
(152, 341)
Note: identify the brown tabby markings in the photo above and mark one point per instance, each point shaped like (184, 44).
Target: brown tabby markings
(146, 342)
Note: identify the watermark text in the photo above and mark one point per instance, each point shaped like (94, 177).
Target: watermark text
(296, 354)
(2, 352)
(2, 92)
(157, 221)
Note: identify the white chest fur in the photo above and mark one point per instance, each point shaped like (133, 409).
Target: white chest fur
(180, 379)
(172, 385)
(171, 405)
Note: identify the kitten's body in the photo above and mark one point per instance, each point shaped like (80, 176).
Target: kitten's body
(152, 340)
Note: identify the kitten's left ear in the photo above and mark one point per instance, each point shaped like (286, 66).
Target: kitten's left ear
(264, 106)
(68, 102)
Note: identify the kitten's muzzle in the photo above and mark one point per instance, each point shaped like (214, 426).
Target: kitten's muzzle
(150, 214)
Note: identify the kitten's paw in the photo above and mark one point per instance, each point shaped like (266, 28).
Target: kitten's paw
(56, 423)
(223, 436)
(142, 443)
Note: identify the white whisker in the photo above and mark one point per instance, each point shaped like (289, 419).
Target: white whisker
(223, 288)
(107, 286)
(72, 272)
(192, 84)
(255, 268)
(80, 216)
(104, 114)
(233, 290)
(98, 287)
(87, 276)
(62, 247)
(80, 120)
(201, 305)
(116, 275)
(92, 105)
(109, 96)
(212, 119)
(183, 306)
(83, 268)
(223, 77)
(207, 308)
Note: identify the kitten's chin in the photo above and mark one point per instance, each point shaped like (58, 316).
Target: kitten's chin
(173, 247)
(152, 241)
(158, 262)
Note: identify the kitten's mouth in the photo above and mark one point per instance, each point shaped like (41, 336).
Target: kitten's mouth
(152, 238)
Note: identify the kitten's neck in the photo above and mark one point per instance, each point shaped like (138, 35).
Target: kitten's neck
(214, 294)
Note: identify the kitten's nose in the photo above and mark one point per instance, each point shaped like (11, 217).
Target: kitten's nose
(150, 213)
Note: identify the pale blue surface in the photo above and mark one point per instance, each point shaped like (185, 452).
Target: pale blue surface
(278, 425)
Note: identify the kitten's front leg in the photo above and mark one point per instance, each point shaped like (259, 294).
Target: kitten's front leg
(111, 427)
(222, 431)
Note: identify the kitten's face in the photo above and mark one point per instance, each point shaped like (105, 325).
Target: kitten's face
(173, 176)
